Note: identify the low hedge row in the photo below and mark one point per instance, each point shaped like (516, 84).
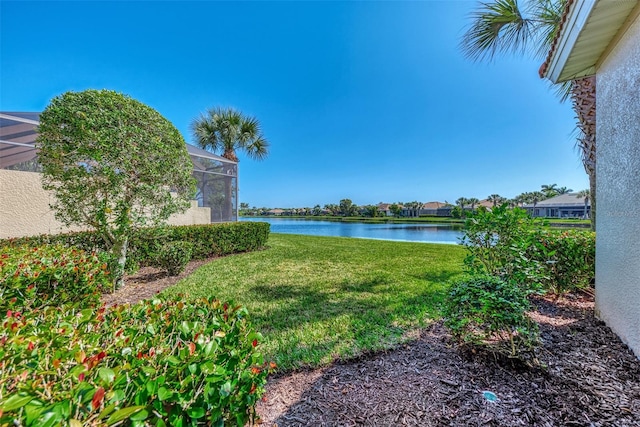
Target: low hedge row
(160, 362)
(207, 240)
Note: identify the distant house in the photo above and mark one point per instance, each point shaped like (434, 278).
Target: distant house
(276, 212)
(384, 208)
(562, 206)
(602, 38)
(485, 204)
(435, 209)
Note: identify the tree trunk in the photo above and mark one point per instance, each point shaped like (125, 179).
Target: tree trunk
(583, 97)
(119, 250)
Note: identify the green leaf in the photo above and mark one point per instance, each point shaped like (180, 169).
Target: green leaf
(123, 414)
(164, 393)
(106, 375)
(107, 410)
(196, 412)
(173, 361)
(139, 416)
(15, 402)
(210, 347)
(225, 390)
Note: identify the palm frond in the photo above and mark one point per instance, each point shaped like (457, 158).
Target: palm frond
(497, 27)
(225, 130)
(548, 16)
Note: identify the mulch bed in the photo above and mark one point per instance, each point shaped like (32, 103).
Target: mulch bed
(588, 378)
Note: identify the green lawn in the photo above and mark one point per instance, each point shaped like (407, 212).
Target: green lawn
(316, 299)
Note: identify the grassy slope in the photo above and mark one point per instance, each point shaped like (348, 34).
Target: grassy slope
(316, 299)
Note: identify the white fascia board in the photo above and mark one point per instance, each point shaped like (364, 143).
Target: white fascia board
(572, 28)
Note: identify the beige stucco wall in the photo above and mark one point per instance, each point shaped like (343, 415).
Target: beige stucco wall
(24, 207)
(618, 180)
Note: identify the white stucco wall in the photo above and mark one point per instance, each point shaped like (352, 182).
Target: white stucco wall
(24, 208)
(618, 181)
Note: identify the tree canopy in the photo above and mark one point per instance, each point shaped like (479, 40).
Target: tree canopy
(113, 164)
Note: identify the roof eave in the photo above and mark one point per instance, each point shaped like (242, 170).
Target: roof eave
(569, 33)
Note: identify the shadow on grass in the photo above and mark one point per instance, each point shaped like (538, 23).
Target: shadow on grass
(366, 315)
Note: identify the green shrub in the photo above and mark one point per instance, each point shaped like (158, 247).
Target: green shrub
(50, 275)
(160, 362)
(174, 256)
(144, 245)
(489, 312)
(567, 258)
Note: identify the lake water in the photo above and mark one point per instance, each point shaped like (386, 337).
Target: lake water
(428, 233)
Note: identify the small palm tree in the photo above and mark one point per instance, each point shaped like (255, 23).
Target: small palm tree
(226, 131)
(585, 195)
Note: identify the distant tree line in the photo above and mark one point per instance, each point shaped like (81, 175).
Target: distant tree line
(346, 207)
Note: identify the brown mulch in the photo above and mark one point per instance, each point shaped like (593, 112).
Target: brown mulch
(147, 282)
(588, 378)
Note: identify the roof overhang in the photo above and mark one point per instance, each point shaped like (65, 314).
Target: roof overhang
(589, 30)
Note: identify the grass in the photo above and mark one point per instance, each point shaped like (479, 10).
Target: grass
(317, 299)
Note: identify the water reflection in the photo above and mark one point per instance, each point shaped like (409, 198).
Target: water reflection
(430, 233)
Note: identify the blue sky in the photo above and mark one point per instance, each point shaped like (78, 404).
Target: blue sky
(368, 100)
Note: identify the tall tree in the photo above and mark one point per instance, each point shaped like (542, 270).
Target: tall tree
(112, 164)
(584, 194)
(473, 202)
(371, 211)
(462, 202)
(495, 199)
(549, 190)
(348, 208)
(413, 208)
(504, 27)
(396, 209)
(536, 197)
(563, 190)
(226, 131)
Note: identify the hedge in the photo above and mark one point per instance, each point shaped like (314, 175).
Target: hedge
(163, 362)
(50, 275)
(208, 240)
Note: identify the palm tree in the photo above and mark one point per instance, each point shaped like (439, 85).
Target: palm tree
(495, 199)
(473, 202)
(536, 197)
(563, 190)
(503, 26)
(549, 190)
(462, 202)
(226, 131)
(584, 194)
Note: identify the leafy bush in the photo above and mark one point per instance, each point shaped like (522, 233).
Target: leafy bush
(208, 240)
(174, 256)
(492, 237)
(50, 275)
(160, 362)
(567, 258)
(490, 312)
